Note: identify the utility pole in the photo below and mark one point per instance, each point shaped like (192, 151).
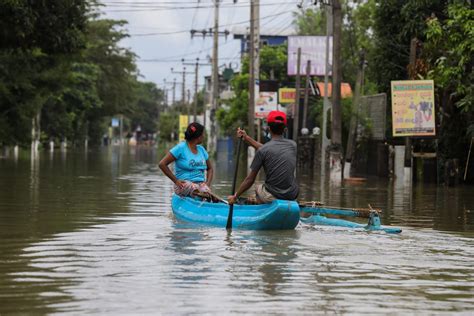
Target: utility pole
(165, 91)
(212, 141)
(251, 110)
(305, 104)
(358, 91)
(327, 104)
(196, 78)
(336, 143)
(183, 88)
(174, 92)
(196, 84)
(336, 74)
(254, 63)
(412, 76)
(188, 104)
(296, 111)
(254, 74)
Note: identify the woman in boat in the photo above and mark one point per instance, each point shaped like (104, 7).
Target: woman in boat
(191, 162)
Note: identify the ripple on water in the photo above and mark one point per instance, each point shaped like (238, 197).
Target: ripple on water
(139, 259)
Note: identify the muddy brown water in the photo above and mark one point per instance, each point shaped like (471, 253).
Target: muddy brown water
(93, 232)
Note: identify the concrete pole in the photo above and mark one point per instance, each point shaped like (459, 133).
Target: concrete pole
(336, 74)
(212, 141)
(121, 130)
(326, 105)
(305, 104)
(251, 109)
(353, 124)
(183, 90)
(407, 174)
(296, 112)
(174, 92)
(336, 126)
(196, 78)
(256, 44)
(35, 133)
(254, 69)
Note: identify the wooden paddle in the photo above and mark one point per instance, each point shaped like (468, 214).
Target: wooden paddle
(231, 206)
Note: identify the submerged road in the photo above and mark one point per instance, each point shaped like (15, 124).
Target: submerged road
(94, 233)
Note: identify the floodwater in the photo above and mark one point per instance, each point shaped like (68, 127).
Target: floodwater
(85, 233)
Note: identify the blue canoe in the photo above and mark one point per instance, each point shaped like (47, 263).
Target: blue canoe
(279, 214)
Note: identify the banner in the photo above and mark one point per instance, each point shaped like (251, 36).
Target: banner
(413, 110)
(312, 48)
(266, 102)
(183, 124)
(286, 95)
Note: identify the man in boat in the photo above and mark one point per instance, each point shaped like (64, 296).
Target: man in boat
(278, 159)
(192, 166)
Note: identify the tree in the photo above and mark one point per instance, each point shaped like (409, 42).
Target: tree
(35, 37)
(449, 53)
(148, 107)
(396, 22)
(272, 65)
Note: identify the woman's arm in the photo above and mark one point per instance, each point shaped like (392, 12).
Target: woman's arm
(210, 173)
(166, 170)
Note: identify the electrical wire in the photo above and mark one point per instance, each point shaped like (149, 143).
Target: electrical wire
(187, 31)
(168, 8)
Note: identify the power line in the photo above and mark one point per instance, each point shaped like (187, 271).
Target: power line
(134, 8)
(187, 31)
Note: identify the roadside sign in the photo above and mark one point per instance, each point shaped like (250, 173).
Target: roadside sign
(266, 102)
(286, 95)
(313, 48)
(413, 110)
(183, 124)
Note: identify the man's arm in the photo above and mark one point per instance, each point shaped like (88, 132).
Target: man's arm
(249, 140)
(244, 186)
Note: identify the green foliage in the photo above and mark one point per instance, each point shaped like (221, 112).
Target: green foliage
(310, 22)
(148, 107)
(396, 22)
(450, 51)
(272, 64)
(168, 123)
(117, 76)
(53, 26)
(59, 59)
(65, 114)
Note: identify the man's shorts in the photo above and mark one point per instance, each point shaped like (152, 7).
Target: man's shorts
(263, 196)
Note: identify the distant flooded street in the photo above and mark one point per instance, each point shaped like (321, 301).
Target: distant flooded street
(93, 232)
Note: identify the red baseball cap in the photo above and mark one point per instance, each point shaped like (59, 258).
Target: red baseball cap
(276, 117)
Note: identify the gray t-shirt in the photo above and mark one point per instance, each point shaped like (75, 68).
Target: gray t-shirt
(278, 158)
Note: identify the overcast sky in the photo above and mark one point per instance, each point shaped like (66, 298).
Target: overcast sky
(160, 32)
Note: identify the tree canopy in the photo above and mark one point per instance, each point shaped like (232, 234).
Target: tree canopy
(60, 59)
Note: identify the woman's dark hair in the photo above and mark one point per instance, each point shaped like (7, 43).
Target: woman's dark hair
(193, 131)
(277, 128)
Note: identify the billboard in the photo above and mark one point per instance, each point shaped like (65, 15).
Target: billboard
(312, 48)
(183, 124)
(286, 95)
(266, 102)
(413, 110)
